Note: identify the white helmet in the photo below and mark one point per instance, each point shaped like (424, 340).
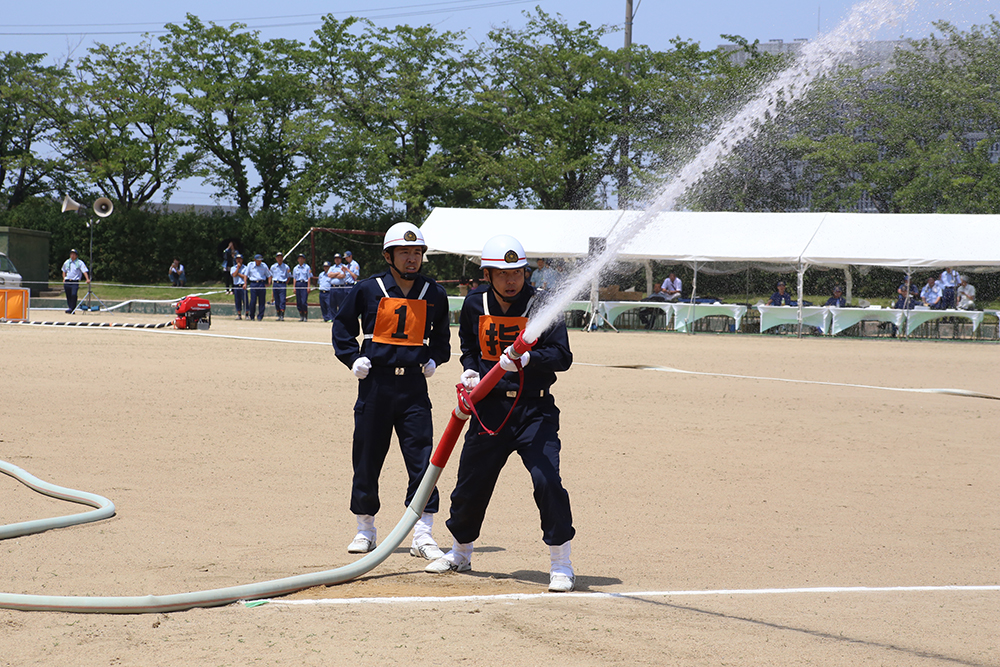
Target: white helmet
(403, 233)
(503, 252)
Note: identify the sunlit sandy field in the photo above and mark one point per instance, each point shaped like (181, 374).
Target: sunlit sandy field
(780, 505)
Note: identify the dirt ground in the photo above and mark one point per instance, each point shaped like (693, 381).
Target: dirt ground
(725, 511)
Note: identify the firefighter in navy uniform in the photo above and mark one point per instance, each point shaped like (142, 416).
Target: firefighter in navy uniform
(404, 318)
(525, 418)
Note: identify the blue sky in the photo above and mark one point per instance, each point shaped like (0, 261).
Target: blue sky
(61, 27)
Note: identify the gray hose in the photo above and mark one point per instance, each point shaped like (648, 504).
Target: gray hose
(105, 508)
(219, 596)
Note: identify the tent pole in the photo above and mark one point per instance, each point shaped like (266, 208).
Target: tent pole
(801, 272)
(848, 284)
(649, 277)
(694, 290)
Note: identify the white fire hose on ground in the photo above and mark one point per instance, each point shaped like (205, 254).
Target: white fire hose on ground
(148, 604)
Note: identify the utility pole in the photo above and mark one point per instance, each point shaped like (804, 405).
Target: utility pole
(623, 138)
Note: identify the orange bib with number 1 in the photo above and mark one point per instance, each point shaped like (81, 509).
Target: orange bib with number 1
(497, 332)
(400, 321)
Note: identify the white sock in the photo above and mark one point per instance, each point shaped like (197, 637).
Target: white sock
(422, 531)
(560, 559)
(366, 525)
(460, 553)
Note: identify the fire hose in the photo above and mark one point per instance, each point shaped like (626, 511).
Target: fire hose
(220, 596)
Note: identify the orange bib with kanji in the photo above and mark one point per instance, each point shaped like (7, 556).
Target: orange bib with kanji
(497, 332)
(400, 321)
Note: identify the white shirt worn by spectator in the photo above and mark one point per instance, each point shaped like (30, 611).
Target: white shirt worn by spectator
(671, 289)
(966, 296)
(544, 278)
(74, 269)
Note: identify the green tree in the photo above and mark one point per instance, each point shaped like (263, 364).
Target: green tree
(240, 97)
(28, 166)
(553, 94)
(122, 128)
(393, 100)
(918, 138)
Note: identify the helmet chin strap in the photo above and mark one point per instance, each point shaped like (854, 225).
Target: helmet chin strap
(401, 274)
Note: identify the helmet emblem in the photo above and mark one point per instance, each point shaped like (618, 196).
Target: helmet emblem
(409, 236)
(510, 257)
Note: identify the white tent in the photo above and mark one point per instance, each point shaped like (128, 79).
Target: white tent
(790, 239)
(801, 239)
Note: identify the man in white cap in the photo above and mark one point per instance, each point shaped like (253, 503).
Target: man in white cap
(518, 415)
(403, 317)
(72, 270)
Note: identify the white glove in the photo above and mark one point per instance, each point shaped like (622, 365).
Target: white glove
(470, 379)
(429, 368)
(508, 365)
(361, 367)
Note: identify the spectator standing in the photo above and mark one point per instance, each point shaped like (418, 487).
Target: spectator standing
(930, 295)
(352, 270)
(671, 287)
(176, 273)
(238, 276)
(837, 300)
(280, 273)
(948, 282)
(323, 283)
(72, 270)
(404, 321)
(543, 277)
(228, 261)
(780, 297)
(302, 274)
(966, 294)
(492, 317)
(258, 276)
(338, 281)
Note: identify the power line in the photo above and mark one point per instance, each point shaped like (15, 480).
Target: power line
(411, 10)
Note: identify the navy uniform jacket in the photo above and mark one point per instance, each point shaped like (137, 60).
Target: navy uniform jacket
(779, 299)
(550, 354)
(362, 302)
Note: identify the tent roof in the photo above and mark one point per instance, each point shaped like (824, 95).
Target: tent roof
(906, 241)
(823, 239)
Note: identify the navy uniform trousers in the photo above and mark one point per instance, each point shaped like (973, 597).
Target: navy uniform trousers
(533, 432)
(387, 401)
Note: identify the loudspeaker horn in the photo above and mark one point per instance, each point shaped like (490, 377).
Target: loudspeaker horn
(103, 207)
(69, 205)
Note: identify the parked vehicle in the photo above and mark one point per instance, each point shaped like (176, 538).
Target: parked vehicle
(9, 277)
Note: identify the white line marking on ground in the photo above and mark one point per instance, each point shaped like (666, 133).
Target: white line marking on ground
(637, 594)
(916, 390)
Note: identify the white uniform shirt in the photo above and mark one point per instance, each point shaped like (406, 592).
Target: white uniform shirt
(324, 281)
(949, 279)
(258, 273)
(544, 278)
(356, 268)
(280, 272)
(337, 280)
(239, 272)
(931, 293)
(74, 269)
